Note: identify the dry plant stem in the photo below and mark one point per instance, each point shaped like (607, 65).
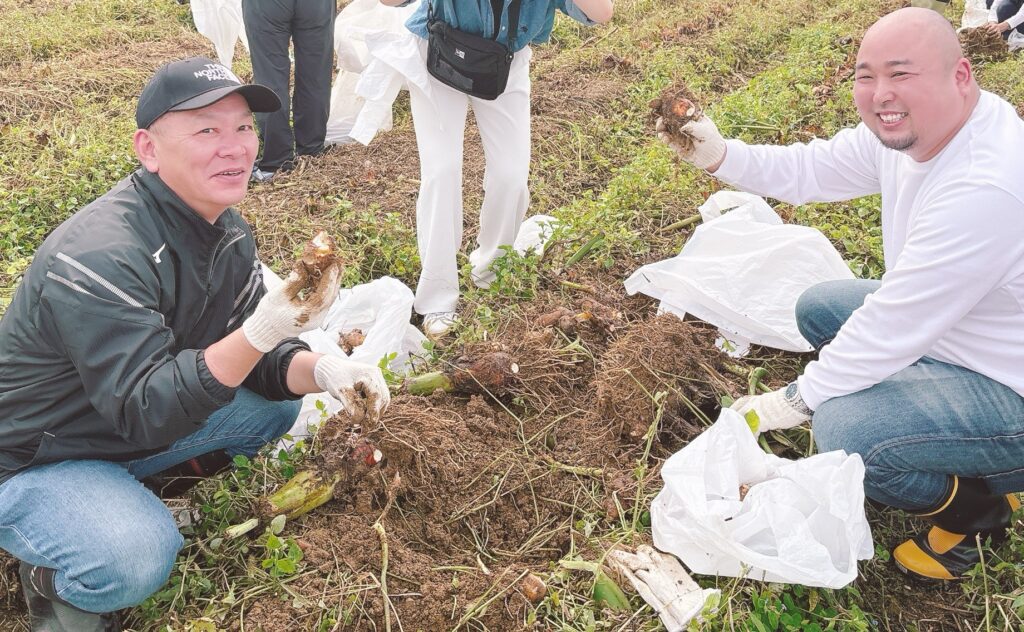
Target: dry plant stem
(578, 470)
(383, 536)
(683, 223)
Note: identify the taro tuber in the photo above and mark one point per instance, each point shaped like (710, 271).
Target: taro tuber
(350, 340)
(676, 107)
(317, 257)
(488, 373)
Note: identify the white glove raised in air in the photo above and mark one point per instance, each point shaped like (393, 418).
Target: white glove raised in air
(777, 410)
(704, 146)
(660, 579)
(281, 313)
(359, 387)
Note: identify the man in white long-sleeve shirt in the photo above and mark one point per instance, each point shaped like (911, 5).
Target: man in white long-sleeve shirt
(922, 374)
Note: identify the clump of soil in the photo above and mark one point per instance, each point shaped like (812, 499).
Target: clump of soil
(663, 355)
(980, 43)
(349, 340)
(318, 256)
(676, 106)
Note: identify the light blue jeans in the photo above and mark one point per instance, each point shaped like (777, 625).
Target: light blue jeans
(111, 541)
(919, 426)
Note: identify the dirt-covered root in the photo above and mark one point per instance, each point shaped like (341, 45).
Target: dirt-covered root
(676, 106)
(982, 44)
(661, 363)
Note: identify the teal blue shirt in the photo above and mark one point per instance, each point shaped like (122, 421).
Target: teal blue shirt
(536, 17)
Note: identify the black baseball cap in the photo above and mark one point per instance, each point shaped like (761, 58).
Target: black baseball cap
(195, 83)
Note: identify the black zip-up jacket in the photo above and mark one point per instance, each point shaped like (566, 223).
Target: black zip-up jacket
(101, 349)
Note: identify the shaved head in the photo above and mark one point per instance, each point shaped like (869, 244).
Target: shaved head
(924, 25)
(912, 86)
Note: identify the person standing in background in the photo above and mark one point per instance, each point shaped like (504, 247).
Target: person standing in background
(309, 26)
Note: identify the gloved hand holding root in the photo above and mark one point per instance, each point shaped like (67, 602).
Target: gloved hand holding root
(683, 126)
(777, 410)
(359, 387)
(302, 302)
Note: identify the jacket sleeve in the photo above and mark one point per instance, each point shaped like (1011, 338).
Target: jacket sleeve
(101, 311)
(840, 168)
(269, 377)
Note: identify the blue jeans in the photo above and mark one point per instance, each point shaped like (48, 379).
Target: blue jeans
(919, 426)
(111, 541)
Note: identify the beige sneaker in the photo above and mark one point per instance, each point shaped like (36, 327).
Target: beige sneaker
(437, 324)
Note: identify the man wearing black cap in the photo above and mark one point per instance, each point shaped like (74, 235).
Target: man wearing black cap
(142, 347)
(309, 26)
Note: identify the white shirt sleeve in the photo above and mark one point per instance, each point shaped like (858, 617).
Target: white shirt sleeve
(840, 168)
(958, 250)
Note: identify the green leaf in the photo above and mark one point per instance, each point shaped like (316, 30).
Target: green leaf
(277, 524)
(607, 593)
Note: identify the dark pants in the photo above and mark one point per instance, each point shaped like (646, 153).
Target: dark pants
(309, 25)
(1006, 9)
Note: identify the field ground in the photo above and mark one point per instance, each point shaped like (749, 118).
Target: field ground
(560, 466)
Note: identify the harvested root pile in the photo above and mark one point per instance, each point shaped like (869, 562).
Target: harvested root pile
(980, 43)
(487, 372)
(663, 355)
(676, 107)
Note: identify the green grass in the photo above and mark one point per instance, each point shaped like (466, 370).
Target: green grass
(616, 190)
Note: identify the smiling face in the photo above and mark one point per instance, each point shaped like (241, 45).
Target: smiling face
(912, 87)
(205, 156)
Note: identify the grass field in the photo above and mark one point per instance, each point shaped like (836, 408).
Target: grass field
(539, 464)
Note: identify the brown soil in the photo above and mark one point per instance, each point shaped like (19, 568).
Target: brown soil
(476, 492)
(676, 106)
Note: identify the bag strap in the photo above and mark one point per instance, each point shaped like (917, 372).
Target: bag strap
(513, 24)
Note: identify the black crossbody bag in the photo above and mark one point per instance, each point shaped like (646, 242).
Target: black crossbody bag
(469, 63)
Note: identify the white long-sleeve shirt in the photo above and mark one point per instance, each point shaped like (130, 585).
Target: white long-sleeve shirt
(953, 240)
(1013, 21)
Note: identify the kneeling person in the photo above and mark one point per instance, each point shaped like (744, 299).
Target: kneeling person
(140, 347)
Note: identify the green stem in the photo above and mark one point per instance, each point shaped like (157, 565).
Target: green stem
(683, 223)
(584, 250)
(427, 383)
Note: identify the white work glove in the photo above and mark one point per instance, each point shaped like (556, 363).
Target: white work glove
(660, 580)
(707, 148)
(779, 409)
(359, 387)
(280, 314)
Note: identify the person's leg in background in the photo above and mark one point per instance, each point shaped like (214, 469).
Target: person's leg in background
(440, 122)
(268, 28)
(504, 125)
(1006, 9)
(313, 37)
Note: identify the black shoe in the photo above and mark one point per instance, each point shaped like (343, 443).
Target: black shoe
(47, 612)
(177, 480)
(949, 549)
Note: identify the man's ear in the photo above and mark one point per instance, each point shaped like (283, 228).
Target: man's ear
(145, 149)
(964, 75)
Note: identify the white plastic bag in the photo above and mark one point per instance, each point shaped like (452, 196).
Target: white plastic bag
(975, 14)
(743, 272)
(534, 234)
(359, 21)
(381, 309)
(801, 521)
(220, 21)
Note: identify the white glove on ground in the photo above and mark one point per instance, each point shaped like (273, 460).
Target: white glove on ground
(707, 148)
(779, 409)
(280, 314)
(660, 579)
(359, 387)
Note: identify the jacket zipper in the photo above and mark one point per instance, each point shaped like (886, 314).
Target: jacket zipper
(217, 252)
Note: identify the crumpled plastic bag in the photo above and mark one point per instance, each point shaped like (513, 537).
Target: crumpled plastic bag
(801, 522)
(381, 309)
(220, 21)
(975, 14)
(534, 234)
(743, 272)
(359, 23)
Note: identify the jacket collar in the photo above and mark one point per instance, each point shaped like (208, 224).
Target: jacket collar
(185, 222)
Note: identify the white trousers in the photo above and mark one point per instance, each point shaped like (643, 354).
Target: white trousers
(440, 122)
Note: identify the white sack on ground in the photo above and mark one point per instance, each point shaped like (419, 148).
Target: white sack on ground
(801, 522)
(381, 309)
(743, 272)
(534, 234)
(220, 21)
(357, 22)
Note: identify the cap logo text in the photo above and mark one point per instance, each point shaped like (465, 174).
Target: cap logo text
(216, 72)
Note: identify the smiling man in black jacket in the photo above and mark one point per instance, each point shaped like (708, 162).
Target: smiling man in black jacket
(142, 347)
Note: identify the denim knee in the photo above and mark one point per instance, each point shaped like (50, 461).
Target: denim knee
(280, 417)
(812, 304)
(132, 563)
